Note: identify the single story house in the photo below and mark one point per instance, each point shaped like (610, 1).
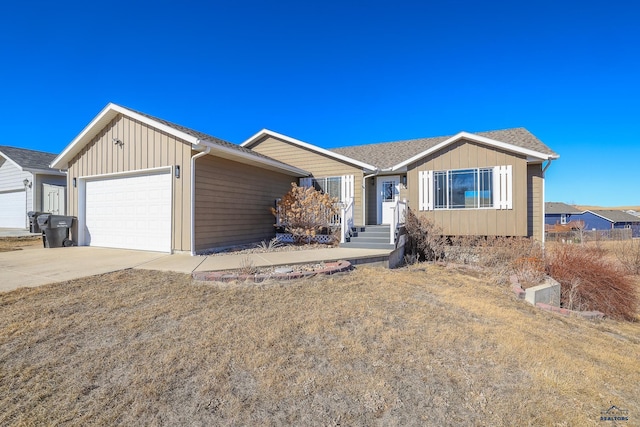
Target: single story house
(139, 182)
(608, 219)
(27, 183)
(486, 183)
(559, 213)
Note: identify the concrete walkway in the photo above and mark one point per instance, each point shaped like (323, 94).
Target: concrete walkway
(187, 264)
(39, 266)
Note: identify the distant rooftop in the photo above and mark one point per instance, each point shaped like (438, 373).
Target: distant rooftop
(28, 159)
(616, 216)
(560, 208)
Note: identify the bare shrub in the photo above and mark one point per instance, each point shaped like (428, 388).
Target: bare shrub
(628, 253)
(305, 212)
(270, 245)
(530, 271)
(247, 266)
(504, 252)
(463, 249)
(506, 255)
(425, 242)
(590, 282)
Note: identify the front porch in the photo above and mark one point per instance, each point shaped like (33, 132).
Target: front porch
(342, 226)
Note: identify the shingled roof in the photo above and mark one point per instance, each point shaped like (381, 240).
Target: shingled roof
(30, 160)
(387, 154)
(190, 135)
(204, 136)
(615, 216)
(560, 208)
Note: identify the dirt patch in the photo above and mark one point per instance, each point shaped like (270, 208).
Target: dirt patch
(8, 244)
(414, 346)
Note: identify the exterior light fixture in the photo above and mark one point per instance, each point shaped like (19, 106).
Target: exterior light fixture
(27, 183)
(75, 182)
(177, 171)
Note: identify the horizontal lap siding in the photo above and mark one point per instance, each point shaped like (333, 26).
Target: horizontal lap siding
(317, 164)
(484, 222)
(534, 201)
(144, 148)
(233, 202)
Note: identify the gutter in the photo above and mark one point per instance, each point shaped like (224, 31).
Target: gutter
(206, 151)
(544, 169)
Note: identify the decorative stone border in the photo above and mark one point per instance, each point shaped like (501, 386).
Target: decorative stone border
(521, 294)
(227, 276)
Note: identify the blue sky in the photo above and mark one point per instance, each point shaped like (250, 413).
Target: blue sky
(336, 73)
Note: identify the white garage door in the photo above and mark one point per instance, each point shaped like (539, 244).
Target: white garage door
(132, 212)
(12, 210)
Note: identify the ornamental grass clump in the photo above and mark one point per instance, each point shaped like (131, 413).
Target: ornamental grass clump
(305, 212)
(590, 282)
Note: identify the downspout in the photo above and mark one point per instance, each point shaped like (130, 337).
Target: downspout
(364, 196)
(544, 169)
(193, 197)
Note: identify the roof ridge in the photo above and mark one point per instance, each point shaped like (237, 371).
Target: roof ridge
(429, 137)
(26, 149)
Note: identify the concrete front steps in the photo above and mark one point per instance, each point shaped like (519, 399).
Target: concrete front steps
(369, 237)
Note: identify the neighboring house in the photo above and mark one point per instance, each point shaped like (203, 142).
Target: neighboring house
(609, 219)
(487, 183)
(27, 183)
(139, 182)
(559, 213)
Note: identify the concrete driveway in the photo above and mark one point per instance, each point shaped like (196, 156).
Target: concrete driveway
(34, 267)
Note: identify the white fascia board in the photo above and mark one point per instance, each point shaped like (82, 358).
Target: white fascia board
(11, 161)
(267, 132)
(603, 217)
(46, 172)
(481, 139)
(101, 120)
(241, 155)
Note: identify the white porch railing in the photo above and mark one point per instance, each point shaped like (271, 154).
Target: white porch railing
(397, 219)
(346, 214)
(331, 220)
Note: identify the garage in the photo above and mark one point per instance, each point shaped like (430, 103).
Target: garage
(129, 212)
(12, 212)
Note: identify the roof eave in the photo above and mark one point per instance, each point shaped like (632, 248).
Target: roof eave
(46, 171)
(267, 132)
(249, 158)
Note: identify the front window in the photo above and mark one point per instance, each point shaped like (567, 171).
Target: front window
(331, 185)
(463, 188)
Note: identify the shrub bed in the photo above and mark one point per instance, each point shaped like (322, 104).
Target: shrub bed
(590, 282)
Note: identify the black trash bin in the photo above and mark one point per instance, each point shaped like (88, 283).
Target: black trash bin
(33, 221)
(55, 230)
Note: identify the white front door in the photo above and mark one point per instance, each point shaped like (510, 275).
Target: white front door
(388, 193)
(53, 199)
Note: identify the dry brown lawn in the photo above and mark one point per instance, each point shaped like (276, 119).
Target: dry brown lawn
(424, 345)
(19, 243)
